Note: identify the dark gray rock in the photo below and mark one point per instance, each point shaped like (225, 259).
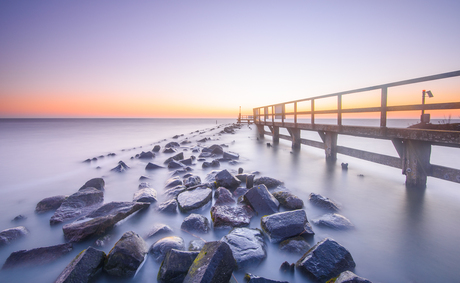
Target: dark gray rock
(121, 167)
(173, 164)
(172, 182)
(287, 268)
(205, 154)
(214, 264)
(296, 245)
(159, 229)
(51, 203)
(261, 200)
(247, 245)
(215, 163)
(194, 199)
(11, 234)
(19, 218)
(327, 259)
(240, 192)
(99, 221)
(175, 266)
(211, 176)
(175, 191)
(153, 166)
(334, 221)
(288, 200)
(223, 196)
(161, 247)
(97, 183)
(231, 155)
(78, 204)
(38, 256)
(195, 223)
(146, 155)
(324, 202)
(227, 180)
(196, 245)
(284, 225)
(145, 195)
(350, 277)
(192, 181)
(250, 278)
(250, 181)
(216, 149)
(176, 157)
(188, 161)
(103, 240)
(224, 216)
(126, 255)
(156, 148)
(83, 268)
(168, 206)
(172, 144)
(169, 150)
(268, 182)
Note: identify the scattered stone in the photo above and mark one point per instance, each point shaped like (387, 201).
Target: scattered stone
(159, 229)
(97, 183)
(173, 164)
(224, 216)
(126, 255)
(11, 234)
(202, 140)
(194, 199)
(240, 170)
(145, 195)
(215, 163)
(324, 202)
(261, 200)
(205, 154)
(176, 157)
(231, 155)
(156, 148)
(144, 178)
(196, 245)
(188, 161)
(146, 155)
(38, 256)
(257, 279)
(111, 154)
(286, 267)
(296, 245)
(223, 196)
(327, 259)
(350, 277)
(152, 166)
(214, 264)
(175, 266)
(247, 245)
(168, 206)
(102, 241)
(50, 203)
(284, 225)
(20, 217)
(240, 191)
(169, 150)
(195, 223)
(227, 180)
(288, 200)
(216, 149)
(344, 166)
(192, 181)
(121, 167)
(161, 247)
(268, 182)
(84, 267)
(175, 191)
(334, 221)
(172, 182)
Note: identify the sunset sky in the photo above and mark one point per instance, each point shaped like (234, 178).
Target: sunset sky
(201, 58)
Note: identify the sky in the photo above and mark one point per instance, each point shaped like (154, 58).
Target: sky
(200, 58)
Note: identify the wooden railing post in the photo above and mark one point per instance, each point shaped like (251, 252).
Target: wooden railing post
(383, 108)
(339, 110)
(313, 112)
(295, 114)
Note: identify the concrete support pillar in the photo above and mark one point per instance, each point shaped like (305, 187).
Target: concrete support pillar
(295, 135)
(416, 163)
(260, 131)
(330, 146)
(276, 135)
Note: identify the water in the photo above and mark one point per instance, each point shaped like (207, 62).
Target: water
(401, 235)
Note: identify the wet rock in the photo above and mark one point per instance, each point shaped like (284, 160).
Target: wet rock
(176, 157)
(231, 155)
(146, 155)
(77, 205)
(202, 140)
(284, 225)
(172, 144)
(224, 216)
(103, 241)
(126, 256)
(156, 148)
(194, 199)
(240, 191)
(169, 150)
(111, 154)
(188, 161)
(334, 221)
(268, 182)
(223, 196)
(97, 183)
(121, 167)
(196, 245)
(205, 154)
(227, 180)
(19, 218)
(38, 256)
(173, 164)
(168, 206)
(152, 166)
(99, 221)
(211, 176)
(327, 259)
(296, 245)
(159, 229)
(144, 178)
(250, 278)
(350, 277)
(247, 245)
(287, 268)
(11, 234)
(214, 264)
(161, 247)
(83, 268)
(215, 163)
(261, 200)
(172, 182)
(216, 149)
(145, 195)
(175, 266)
(50, 203)
(175, 191)
(288, 200)
(192, 181)
(324, 202)
(195, 223)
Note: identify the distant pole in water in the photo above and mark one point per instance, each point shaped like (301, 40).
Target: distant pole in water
(239, 116)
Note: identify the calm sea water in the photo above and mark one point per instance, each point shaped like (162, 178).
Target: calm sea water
(401, 235)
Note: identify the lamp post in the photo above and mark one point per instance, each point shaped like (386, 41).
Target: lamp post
(425, 118)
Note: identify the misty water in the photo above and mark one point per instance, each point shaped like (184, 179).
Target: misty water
(400, 235)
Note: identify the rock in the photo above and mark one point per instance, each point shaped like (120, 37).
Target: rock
(175, 191)
(240, 170)
(11, 234)
(284, 225)
(99, 221)
(51, 203)
(216, 149)
(231, 155)
(172, 144)
(194, 199)
(296, 245)
(161, 247)
(350, 277)
(146, 155)
(159, 229)
(172, 182)
(205, 154)
(240, 191)
(192, 181)
(176, 157)
(223, 196)
(103, 241)
(215, 163)
(327, 259)
(168, 206)
(224, 216)
(324, 202)
(126, 256)
(145, 195)
(156, 148)
(257, 279)
(188, 161)
(152, 166)
(261, 200)
(173, 164)
(143, 178)
(169, 150)
(214, 264)
(19, 218)
(268, 182)
(38, 256)
(97, 183)
(83, 267)
(121, 167)
(196, 245)
(211, 176)
(175, 266)
(334, 221)
(77, 205)
(227, 180)
(286, 267)
(344, 166)
(288, 200)
(195, 223)
(247, 245)
(202, 140)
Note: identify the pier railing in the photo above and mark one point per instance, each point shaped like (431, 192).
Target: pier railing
(412, 145)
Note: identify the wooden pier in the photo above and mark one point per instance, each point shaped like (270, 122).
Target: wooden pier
(413, 145)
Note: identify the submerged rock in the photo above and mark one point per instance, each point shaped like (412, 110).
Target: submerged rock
(268, 182)
(231, 155)
(194, 199)
(176, 157)
(192, 181)
(83, 267)
(121, 167)
(11, 234)
(156, 148)
(247, 245)
(324, 202)
(224, 216)
(227, 180)
(196, 245)
(97, 183)
(168, 206)
(145, 195)
(158, 229)
(175, 266)
(297, 245)
(288, 200)
(350, 277)
(175, 191)
(50, 203)
(172, 182)
(261, 200)
(152, 166)
(223, 196)
(250, 278)
(173, 164)
(38, 256)
(334, 221)
(146, 155)
(172, 144)
(161, 247)
(195, 222)
(284, 225)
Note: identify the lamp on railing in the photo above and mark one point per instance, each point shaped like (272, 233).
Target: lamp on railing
(425, 118)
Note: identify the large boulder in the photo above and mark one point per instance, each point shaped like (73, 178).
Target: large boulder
(327, 259)
(227, 180)
(194, 199)
(215, 149)
(296, 245)
(247, 245)
(50, 203)
(283, 225)
(160, 248)
(11, 234)
(224, 216)
(350, 277)
(175, 266)
(126, 256)
(78, 204)
(145, 195)
(83, 268)
(324, 202)
(334, 221)
(97, 183)
(261, 200)
(288, 200)
(37, 256)
(191, 181)
(268, 182)
(195, 223)
(101, 220)
(214, 264)
(223, 196)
